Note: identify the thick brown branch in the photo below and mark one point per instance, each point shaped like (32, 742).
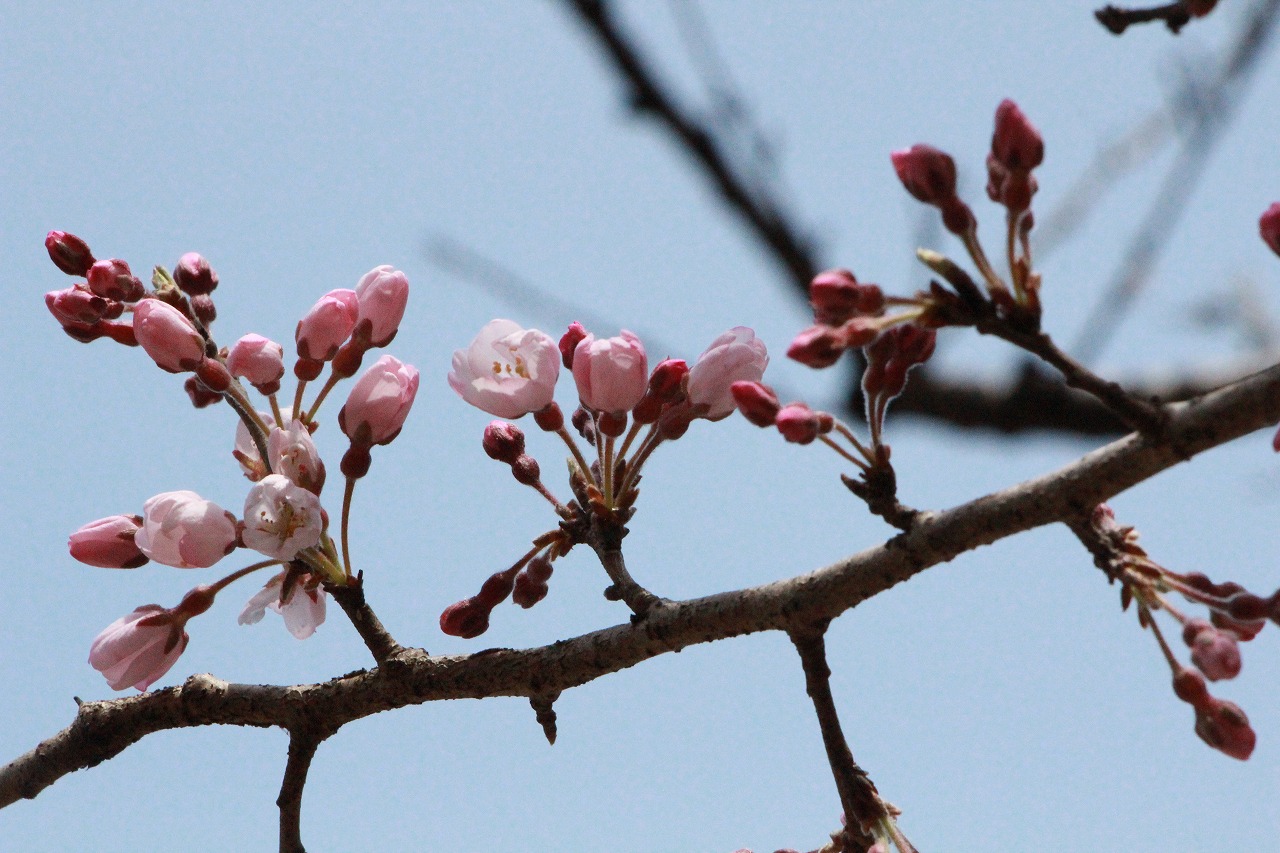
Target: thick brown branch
(858, 796)
(302, 748)
(624, 587)
(103, 729)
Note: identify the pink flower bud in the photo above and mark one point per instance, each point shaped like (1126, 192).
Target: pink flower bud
(1016, 144)
(1225, 727)
(77, 305)
(377, 407)
(293, 453)
(503, 442)
(466, 619)
(259, 360)
(1214, 652)
(928, 173)
(569, 342)
(303, 609)
(112, 279)
(757, 402)
(1269, 227)
(797, 423)
(836, 297)
(138, 649)
(108, 543)
(168, 337)
(280, 518)
(327, 325)
(611, 373)
(183, 530)
(69, 253)
(194, 276)
(736, 356)
(507, 371)
(817, 347)
(382, 294)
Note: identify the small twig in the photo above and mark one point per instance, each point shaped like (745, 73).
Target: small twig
(379, 641)
(302, 748)
(624, 587)
(545, 713)
(858, 796)
(1136, 413)
(1117, 20)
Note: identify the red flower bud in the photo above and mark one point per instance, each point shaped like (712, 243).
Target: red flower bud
(194, 276)
(757, 402)
(1016, 144)
(928, 173)
(69, 253)
(1269, 227)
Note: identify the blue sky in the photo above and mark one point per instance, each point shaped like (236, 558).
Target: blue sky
(1001, 700)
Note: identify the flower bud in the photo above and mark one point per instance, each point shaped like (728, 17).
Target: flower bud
(797, 423)
(1016, 143)
(326, 325)
(112, 279)
(1269, 227)
(138, 649)
(503, 441)
(379, 402)
(735, 356)
(258, 360)
(466, 619)
(1214, 652)
(836, 296)
(77, 305)
(927, 173)
(194, 276)
(1225, 727)
(168, 337)
(183, 530)
(569, 343)
(611, 373)
(757, 402)
(108, 543)
(382, 294)
(69, 253)
(817, 347)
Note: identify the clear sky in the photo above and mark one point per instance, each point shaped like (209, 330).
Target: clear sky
(1002, 701)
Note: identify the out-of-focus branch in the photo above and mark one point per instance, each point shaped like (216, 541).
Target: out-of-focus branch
(764, 213)
(102, 730)
(1117, 19)
(1209, 109)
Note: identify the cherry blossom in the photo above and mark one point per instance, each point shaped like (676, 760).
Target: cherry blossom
(507, 371)
(735, 356)
(168, 337)
(303, 610)
(382, 294)
(108, 543)
(612, 374)
(136, 650)
(327, 325)
(183, 530)
(379, 402)
(293, 453)
(258, 360)
(280, 518)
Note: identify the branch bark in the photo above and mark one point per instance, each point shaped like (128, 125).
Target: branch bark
(102, 730)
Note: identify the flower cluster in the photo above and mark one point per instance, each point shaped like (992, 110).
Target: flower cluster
(625, 410)
(1235, 616)
(282, 517)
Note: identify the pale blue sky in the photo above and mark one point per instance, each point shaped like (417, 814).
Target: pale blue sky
(1002, 701)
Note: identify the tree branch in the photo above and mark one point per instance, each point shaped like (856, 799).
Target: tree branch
(858, 796)
(302, 748)
(102, 730)
(379, 641)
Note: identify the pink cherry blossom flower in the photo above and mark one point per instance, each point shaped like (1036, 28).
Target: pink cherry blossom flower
(382, 294)
(612, 373)
(294, 454)
(183, 530)
(280, 518)
(303, 610)
(327, 325)
(259, 360)
(108, 543)
(138, 649)
(168, 337)
(379, 402)
(735, 356)
(507, 371)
